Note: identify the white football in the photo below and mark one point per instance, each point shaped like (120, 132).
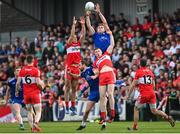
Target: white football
(89, 6)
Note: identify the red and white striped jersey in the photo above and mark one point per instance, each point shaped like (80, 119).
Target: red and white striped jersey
(145, 78)
(105, 59)
(73, 53)
(29, 74)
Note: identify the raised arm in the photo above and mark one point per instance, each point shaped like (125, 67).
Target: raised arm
(134, 83)
(103, 19)
(88, 22)
(72, 31)
(83, 29)
(111, 46)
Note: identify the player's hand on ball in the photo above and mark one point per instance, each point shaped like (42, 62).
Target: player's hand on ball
(97, 8)
(88, 13)
(82, 20)
(74, 20)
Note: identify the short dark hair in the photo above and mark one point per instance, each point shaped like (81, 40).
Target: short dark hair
(29, 59)
(84, 62)
(143, 62)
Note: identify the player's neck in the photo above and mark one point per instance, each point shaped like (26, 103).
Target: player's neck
(30, 64)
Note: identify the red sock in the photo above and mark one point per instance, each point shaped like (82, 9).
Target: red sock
(112, 113)
(103, 115)
(67, 104)
(135, 125)
(73, 103)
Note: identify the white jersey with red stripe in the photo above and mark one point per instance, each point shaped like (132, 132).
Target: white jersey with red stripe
(73, 53)
(29, 74)
(105, 59)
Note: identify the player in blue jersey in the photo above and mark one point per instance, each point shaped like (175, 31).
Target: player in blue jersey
(101, 38)
(93, 98)
(16, 102)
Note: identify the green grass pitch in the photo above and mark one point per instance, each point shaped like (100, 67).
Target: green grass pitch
(115, 127)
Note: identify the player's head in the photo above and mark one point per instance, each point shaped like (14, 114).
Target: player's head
(84, 64)
(143, 62)
(30, 59)
(101, 28)
(97, 52)
(18, 68)
(74, 38)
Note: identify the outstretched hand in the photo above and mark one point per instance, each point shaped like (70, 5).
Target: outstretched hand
(82, 20)
(74, 20)
(97, 8)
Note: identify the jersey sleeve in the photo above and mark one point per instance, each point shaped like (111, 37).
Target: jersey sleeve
(107, 53)
(38, 73)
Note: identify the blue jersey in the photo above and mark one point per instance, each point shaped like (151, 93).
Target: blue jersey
(101, 40)
(93, 84)
(12, 85)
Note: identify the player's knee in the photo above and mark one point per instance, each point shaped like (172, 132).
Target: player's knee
(87, 112)
(136, 108)
(110, 95)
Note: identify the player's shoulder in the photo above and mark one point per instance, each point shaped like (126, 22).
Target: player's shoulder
(12, 80)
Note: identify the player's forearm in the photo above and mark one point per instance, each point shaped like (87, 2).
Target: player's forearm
(112, 40)
(73, 30)
(88, 22)
(131, 88)
(83, 32)
(103, 19)
(7, 95)
(110, 48)
(17, 87)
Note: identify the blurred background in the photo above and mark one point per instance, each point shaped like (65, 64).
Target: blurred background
(141, 28)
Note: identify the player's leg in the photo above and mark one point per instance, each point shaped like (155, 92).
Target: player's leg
(37, 108)
(17, 110)
(102, 92)
(73, 96)
(152, 103)
(139, 103)
(30, 115)
(110, 91)
(66, 93)
(162, 114)
(89, 106)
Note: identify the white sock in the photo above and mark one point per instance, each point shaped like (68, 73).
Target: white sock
(104, 123)
(83, 123)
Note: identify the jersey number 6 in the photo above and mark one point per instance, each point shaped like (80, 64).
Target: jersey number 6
(28, 79)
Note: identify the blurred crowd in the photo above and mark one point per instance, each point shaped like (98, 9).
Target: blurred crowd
(157, 40)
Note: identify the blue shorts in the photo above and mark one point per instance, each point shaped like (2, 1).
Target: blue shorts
(94, 96)
(20, 102)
